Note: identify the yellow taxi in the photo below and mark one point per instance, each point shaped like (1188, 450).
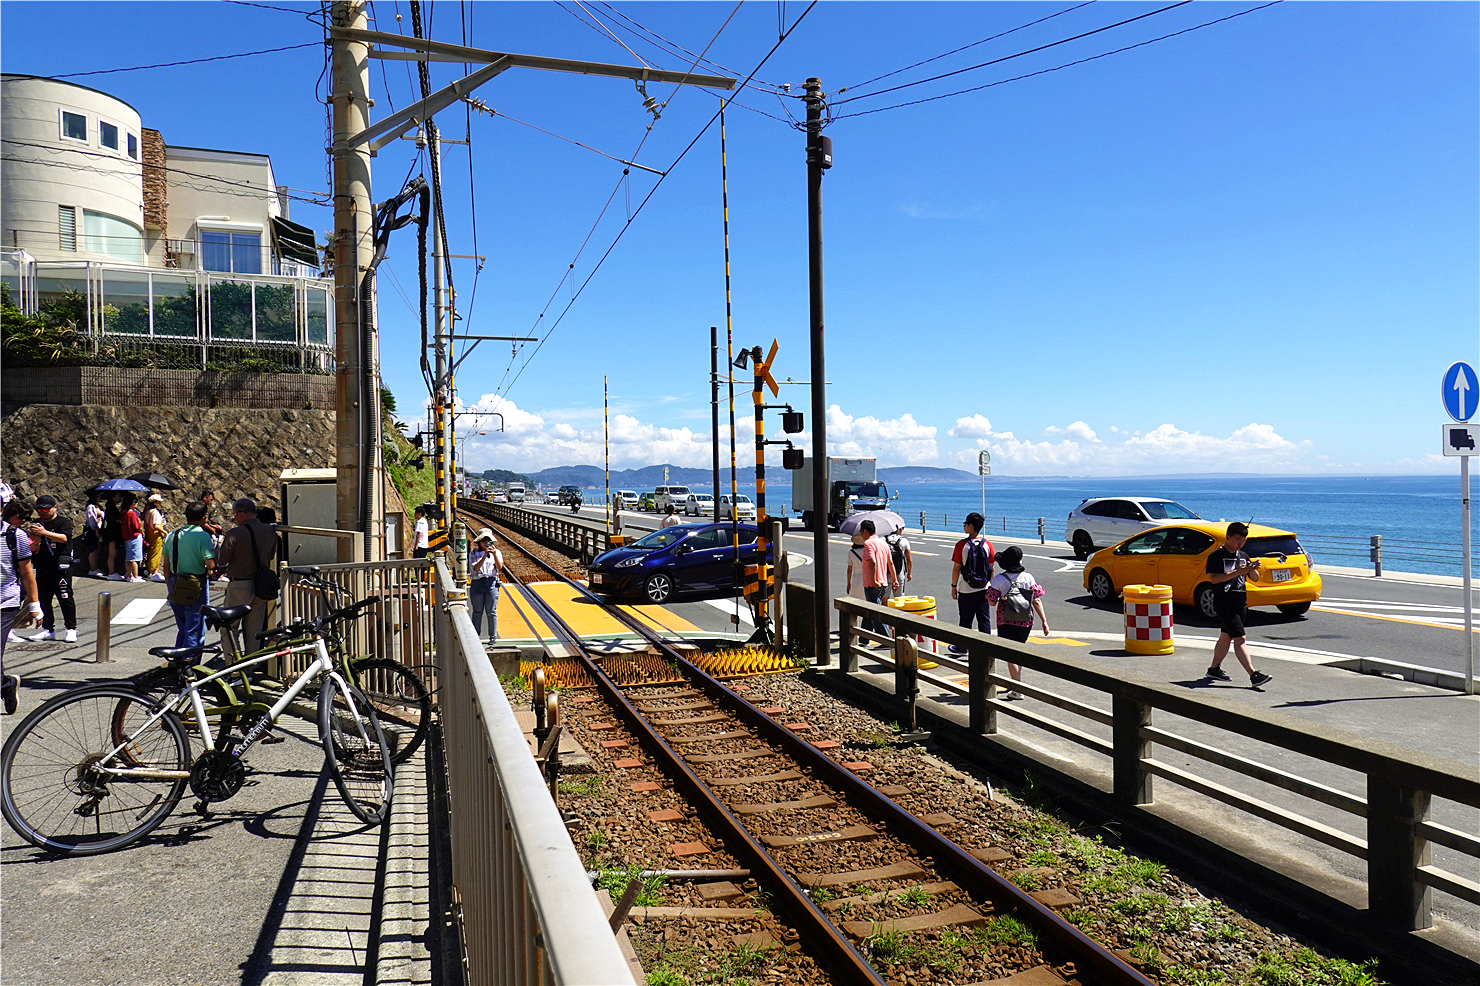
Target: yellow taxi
(1177, 555)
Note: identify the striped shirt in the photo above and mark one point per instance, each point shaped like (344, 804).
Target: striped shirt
(10, 586)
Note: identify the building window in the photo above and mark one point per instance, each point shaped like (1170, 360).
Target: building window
(67, 227)
(133, 147)
(107, 134)
(74, 126)
(112, 237)
(231, 253)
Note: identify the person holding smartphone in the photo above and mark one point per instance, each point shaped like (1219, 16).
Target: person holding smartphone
(1227, 568)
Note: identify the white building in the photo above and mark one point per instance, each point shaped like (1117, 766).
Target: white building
(166, 244)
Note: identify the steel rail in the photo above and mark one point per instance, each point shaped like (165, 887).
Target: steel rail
(795, 904)
(969, 873)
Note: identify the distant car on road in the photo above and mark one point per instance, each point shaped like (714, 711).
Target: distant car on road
(552, 496)
(671, 560)
(645, 502)
(1176, 555)
(626, 499)
(743, 505)
(1104, 520)
(569, 493)
(698, 505)
(664, 495)
(499, 496)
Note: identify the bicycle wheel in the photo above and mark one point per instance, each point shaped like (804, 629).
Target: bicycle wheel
(163, 684)
(355, 750)
(52, 791)
(401, 701)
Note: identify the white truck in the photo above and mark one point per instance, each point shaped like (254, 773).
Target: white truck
(852, 488)
(516, 492)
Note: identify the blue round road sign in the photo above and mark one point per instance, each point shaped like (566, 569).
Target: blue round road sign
(1461, 391)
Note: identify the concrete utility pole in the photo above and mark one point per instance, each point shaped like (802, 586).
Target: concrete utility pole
(819, 158)
(357, 465)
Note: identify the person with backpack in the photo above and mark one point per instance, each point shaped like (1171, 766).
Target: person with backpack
(248, 555)
(904, 559)
(879, 575)
(51, 554)
(971, 570)
(189, 562)
(1017, 596)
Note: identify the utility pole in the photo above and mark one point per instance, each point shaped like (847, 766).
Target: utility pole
(714, 406)
(441, 400)
(819, 158)
(356, 460)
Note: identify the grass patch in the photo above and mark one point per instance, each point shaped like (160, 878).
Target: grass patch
(1137, 904)
(1105, 883)
(1041, 857)
(615, 883)
(820, 895)
(589, 785)
(665, 975)
(760, 899)
(1142, 871)
(1148, 956)
(1305, 967)
(1182, 976)
(1028, 881)
(916, 895)
(1091, 854)
(1079, 917)
(595, 839)
(1230, 932)
(877, 739)
(1039, 829)
(513, 680)
(1004, 930)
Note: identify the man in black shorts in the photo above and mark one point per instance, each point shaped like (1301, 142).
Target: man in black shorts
(1227, 566)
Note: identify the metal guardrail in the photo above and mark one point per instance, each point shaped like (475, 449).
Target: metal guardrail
(1400, 783)
(1023, 527)
(528, 912)
(583, 539)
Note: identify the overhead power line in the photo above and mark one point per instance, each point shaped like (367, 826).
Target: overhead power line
(1056, 68)
(651, 192)
(188, 61)
(1020, 54)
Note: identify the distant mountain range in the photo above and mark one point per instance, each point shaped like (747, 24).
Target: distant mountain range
(646, 477)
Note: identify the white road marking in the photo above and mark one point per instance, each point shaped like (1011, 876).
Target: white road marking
(724, 606)
(1067, 566)
(139, 612)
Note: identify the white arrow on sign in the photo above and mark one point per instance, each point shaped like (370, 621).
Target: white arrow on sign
(1461, 384)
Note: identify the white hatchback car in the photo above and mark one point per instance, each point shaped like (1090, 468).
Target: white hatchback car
(626, 499)
(698, 505)
(1102, 521)
(743, 505)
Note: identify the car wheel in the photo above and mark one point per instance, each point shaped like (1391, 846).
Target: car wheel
(1101, 586)
(1294, 609)
(659, 588)
(1083, 546)
(1206, 598)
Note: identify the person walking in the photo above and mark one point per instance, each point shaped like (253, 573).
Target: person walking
(247, 550)
(132, 531)
(213, 529)
(155, 529)
(51, 554)
(854, 583)
(422, 540)
(670, 518)
(112, 553)
(18, 603)
(879, 576)
(485, 563)
(92, 540)
(904, 558)
(971, 570)
(189, 561)
(1017, 596)
(1226, 569)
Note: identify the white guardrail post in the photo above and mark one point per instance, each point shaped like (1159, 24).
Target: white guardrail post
(528, 912)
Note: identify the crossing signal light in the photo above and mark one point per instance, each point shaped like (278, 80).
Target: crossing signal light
(793, 458)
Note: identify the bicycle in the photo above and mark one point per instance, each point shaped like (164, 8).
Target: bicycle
(98, 768)
(400, 697)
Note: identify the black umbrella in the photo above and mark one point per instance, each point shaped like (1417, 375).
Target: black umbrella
(154, 480)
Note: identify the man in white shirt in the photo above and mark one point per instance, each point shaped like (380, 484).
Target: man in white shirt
(671, 519)
(423, 534)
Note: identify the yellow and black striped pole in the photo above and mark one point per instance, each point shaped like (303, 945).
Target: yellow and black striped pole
(724, 185)
(761, 541)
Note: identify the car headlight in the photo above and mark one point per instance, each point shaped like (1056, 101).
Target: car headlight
(628, 563)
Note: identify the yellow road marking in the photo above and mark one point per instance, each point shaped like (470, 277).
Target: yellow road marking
(588, 619)
(1393, 619)
(1066, 641)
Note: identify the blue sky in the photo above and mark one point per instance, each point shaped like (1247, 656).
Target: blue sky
(1248, 248)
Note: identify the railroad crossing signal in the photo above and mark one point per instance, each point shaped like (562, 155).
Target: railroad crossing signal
(763, 370)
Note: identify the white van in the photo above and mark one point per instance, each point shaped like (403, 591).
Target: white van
(664, 495)
(516, 492)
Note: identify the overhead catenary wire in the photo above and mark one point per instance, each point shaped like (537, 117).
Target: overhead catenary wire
(1018, 54)
(672, 47)
(653, 191)
(187, 61)
(1056, 68)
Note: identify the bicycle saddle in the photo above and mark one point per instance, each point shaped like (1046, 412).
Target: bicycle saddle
(218, 615)
(181, 655)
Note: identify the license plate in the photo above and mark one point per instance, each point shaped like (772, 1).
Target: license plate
(596, 578)
(1280, 575)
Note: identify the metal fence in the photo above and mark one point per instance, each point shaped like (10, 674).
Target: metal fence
(528, 912)
(1023, 527)
(1394, 787)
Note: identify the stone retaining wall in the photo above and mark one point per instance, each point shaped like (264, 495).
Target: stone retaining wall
(113, 386)
(65, 449)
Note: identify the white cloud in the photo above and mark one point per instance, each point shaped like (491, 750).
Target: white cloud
(1164, 449)
(529, 444)
(893, 440)
(1078, 430)
(976, 426)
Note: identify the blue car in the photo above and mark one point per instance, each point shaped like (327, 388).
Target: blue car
(670, 560)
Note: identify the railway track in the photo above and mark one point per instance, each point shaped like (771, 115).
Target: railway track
(846, 866)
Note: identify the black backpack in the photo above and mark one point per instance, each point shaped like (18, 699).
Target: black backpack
(976, 563)
(896, 551)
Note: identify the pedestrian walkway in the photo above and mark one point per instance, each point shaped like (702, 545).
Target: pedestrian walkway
(279, 885)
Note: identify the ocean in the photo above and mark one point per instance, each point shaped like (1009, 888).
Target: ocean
(1418, 517)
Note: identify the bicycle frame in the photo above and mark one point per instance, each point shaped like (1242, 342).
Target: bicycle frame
(322, 665)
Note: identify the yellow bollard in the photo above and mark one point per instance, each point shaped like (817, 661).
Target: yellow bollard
(1148, 619)
(918, 606)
